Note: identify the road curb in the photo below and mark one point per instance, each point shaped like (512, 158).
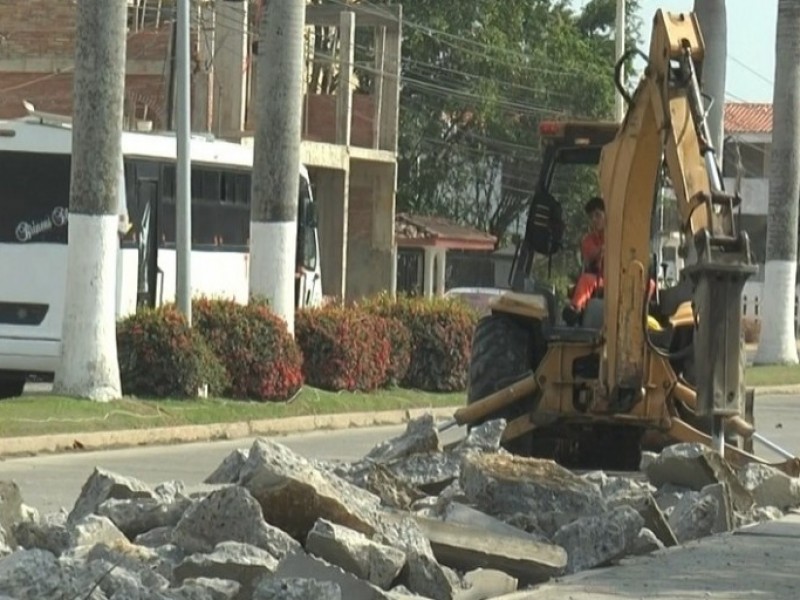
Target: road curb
(777, 390)
(102, 440)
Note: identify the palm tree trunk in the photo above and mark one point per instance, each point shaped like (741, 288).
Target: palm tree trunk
(88, 367)
(778, 344)
(712, 16)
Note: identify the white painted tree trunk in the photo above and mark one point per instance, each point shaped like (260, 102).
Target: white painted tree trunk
(268, 278)
(276, 156)
(88, 367)
(777, 344)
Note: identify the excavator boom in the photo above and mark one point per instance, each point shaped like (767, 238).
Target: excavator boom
(666, 123)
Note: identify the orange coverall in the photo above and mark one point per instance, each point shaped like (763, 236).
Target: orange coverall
(592, 278)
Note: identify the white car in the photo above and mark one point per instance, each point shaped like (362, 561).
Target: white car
(476, 297)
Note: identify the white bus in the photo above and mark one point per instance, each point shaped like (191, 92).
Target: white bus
(35, 157)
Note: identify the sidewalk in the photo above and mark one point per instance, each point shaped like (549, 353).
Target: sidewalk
(759, 561)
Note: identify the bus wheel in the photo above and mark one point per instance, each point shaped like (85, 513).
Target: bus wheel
(11, 384)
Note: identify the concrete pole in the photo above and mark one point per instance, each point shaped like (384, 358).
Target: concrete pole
(183, 191)
(276, 159)
(619, 106)
(88, 365)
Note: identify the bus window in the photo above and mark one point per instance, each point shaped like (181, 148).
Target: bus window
(35, 194)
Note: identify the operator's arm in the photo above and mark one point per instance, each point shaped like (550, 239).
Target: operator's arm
(591, 248)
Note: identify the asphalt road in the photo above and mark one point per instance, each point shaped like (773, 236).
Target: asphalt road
(52, 481)
(49, 482)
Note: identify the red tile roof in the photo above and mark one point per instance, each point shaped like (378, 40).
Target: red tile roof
(418, 230)
(748, 117)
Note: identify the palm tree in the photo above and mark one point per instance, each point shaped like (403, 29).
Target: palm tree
(712, 16)
(88, 366)
(777, 344)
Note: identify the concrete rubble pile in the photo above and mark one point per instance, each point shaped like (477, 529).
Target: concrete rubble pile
(412, 519)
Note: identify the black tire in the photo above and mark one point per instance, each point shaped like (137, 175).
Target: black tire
(504, 349)
(12, 384)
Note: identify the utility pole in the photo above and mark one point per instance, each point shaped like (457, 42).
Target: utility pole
(88, 366)
(276, 159)
(183, 187)
(619, 108)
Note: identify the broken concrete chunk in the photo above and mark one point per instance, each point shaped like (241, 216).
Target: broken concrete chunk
(695, 516)
(229, 514)
(465, 548)
(11, 509)
(34, 574)
(155, 537)
(304, 566)
(725, 514)
(770, 487)
(596, 540)
(420, 436)
(669, 495)
(393, 491)
(430, 472)
(229, 468)
(48, 533)
(352, 551)
(695, 466)
(506, 485)
(423, 574)
(92, 529)
(646, 459)
(646, 542)
(486, 583)
(297, 588)
(235, 561)
(135, 516)
(766, 513)
(103, 485)
(204, 588)
(293, 494)
(461, 514)
(655, 520)
(485, 437)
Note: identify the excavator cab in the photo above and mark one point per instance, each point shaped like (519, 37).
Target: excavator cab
(646, 370)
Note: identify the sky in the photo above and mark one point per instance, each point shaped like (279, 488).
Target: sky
(751, 43)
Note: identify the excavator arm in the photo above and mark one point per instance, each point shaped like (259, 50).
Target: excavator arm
(666, 123)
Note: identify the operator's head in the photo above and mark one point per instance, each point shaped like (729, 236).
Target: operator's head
(595, 208)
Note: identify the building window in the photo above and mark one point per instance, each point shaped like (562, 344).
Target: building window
(754, 159)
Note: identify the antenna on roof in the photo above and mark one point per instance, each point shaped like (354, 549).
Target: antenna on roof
(45, 117)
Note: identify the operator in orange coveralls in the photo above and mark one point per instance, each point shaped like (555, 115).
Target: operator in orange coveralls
(592, 253)
(592, 246)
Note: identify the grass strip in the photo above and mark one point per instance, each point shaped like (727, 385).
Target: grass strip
(43, 414)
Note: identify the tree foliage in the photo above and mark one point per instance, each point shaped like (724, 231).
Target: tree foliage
(477, 78)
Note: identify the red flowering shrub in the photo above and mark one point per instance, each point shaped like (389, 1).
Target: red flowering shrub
(344, 349)
(161, 356)
(399, 351)
(261, 358)
(441, 339)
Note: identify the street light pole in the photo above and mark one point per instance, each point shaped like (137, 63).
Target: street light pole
(619, 110)
(183, 187)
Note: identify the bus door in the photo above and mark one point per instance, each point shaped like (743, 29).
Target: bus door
(308, 284)
(143, 208)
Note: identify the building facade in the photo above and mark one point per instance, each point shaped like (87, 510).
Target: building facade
(748, 136)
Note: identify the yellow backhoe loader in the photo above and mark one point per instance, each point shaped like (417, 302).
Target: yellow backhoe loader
(641, 369)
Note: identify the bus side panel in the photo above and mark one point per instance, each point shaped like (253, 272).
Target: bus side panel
(32, 274)
(215, 273)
